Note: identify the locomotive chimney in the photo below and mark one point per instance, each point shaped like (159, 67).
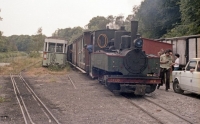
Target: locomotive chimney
(134, 28)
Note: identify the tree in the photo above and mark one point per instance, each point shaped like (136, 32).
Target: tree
(127, 22)
(119, 20)
(190, 14)
(157, 17)
(98, 23)
(111, 23)
(38, 40)
(190, 21)
(68, 34)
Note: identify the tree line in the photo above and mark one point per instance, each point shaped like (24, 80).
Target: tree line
(157, 19)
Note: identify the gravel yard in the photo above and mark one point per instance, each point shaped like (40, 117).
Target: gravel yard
(88, 102)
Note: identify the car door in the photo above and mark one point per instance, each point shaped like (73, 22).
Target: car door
(187, 75)
(196, 79)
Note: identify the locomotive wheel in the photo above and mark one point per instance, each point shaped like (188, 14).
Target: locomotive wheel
(177, 88)
(112, 86)
(151, 89)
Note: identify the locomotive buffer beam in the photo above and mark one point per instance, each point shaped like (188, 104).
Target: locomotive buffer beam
(135, 80)
(136, 89)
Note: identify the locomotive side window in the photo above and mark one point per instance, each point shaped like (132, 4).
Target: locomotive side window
(51, 47)
(191, 65)
(59, 47)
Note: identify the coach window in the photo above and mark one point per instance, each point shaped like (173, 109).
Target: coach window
(59, 48)
(51, 47)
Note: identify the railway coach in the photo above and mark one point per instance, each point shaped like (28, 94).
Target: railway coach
(54, 52)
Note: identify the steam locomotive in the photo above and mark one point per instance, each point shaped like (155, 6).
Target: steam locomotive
(117, 60)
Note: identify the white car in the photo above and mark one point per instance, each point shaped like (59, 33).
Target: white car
(187, 79)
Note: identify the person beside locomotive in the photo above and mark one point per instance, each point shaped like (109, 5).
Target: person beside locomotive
(89, 48)
(161, 52)
(165, 69)
(176, 63)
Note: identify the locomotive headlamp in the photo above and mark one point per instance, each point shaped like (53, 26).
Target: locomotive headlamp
(138, 43)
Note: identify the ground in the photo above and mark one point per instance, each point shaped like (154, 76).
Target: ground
(88, 102)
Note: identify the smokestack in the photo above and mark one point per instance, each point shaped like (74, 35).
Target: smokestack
(134, 28)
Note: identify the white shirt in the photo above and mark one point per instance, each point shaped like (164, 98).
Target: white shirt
(176, 63)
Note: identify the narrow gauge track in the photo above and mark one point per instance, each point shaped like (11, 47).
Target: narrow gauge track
(161, 114)
(34, 111)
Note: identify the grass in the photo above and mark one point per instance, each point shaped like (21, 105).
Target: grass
(2, 99)
(11, 56)
(18, 65)
(32, 66)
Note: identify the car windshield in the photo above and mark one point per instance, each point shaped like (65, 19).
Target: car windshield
(191, 65)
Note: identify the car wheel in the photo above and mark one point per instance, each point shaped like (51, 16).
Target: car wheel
(177, 88)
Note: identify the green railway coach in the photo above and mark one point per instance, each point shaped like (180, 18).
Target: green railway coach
(54, 51)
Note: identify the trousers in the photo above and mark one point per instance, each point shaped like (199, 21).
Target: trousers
(165, 77)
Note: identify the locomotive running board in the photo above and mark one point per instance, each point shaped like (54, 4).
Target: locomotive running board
(77, 67)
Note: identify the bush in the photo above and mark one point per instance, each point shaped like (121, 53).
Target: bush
(56, 67)
(34, 55)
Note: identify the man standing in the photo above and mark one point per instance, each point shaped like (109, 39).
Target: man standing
(165, 68)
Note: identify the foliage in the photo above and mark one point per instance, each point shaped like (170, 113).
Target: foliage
(190, 21)
(25, 42)
(190, 14)
(34, 54)
(127, 22)
(97, 23)
(19, 64)
(157, 17)
(2, 99)
(38, 41)
(3, 43)
(20, 42)
(68, 33)
(9, 56)
(57, 67)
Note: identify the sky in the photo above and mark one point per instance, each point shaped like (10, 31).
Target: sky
(25, 17)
